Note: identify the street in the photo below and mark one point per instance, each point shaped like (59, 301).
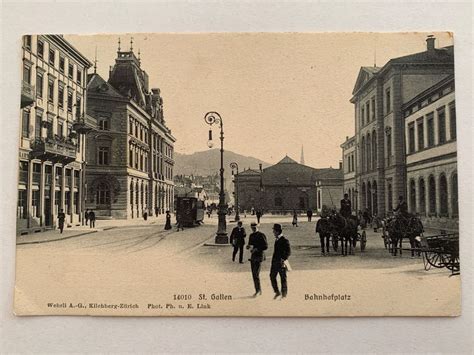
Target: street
(147, 265)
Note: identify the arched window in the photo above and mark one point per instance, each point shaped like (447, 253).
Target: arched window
(422, 198)
(369, 196)
(454, 194)
(362, 153)
(389, 197)
(131, 193)
(368, 154)
(432, 194)
(141, 194)
(103, 194)
(412, 196)
(374, 150)
(137, 194)
(278, 201)
(443, 195)
(363, 196)
(374, 197)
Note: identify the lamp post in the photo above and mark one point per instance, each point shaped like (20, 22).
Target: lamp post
(221, 236)
(235, 166)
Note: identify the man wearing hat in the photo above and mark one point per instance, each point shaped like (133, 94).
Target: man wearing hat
(257, 244)
(281, 253)
(237, 239)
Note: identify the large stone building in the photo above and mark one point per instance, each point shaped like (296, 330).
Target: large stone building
(288, 186)
(52, 137)
(349, 159)
(378, 96)
(130, 155)
(431, 155)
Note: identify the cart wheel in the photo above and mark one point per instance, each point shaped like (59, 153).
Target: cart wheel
(363, 241)
(452, 263)
(434, 259)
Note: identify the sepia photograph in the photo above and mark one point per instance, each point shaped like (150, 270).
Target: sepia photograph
(238, 174)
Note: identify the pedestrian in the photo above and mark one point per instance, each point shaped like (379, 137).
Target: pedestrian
(237, 239)
(252, 211)
(259, 215)
(257, 245)
(86, 216)
(168, 220)
(61, 218)
(92, 219)
(280, 265)
(156, 211)
(295, 219)
(309, 213)
(145, 215)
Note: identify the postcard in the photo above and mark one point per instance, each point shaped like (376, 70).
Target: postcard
(238, 174)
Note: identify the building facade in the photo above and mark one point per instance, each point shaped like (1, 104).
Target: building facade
(130, 155)
(378, 97)
(349, 158)
(52, 138)
(431, 156)
(288, 186)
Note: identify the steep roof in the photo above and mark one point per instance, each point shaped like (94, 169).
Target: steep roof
(97, 85)
(365, 74)
(287, 160)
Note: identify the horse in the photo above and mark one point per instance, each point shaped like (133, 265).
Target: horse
(400, 227)
(324, 229)
(346, 231)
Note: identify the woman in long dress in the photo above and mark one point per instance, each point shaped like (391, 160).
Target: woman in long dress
(295, 219)
(168, 220)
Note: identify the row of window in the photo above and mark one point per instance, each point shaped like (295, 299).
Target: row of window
(417, 202)
(350, 163)
(61, 126)
(50, 57)
(61, 98)
(425, 126)
(368, 109)
(368, 152)
(70, 206)
(140, 132)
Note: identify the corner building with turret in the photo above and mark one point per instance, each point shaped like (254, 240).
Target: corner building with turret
(130, 155)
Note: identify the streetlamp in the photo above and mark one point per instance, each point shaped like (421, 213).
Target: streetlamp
(221, 236)
(235, 166)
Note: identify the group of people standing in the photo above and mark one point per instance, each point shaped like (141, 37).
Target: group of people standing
(257, 244)
(89, 217)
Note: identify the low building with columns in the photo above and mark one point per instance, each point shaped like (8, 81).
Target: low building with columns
(52, 138)
(431, 155)
(130, 155)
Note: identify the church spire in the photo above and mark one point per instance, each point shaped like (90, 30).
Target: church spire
(302, 156)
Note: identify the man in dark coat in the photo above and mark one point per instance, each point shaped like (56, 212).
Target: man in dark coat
(259, 215)
(61, 218)
(402, 207)
(309, 213)
(237, 239)
(92, 219)
(257, 245)
(86, 216)
(346, 206)
(281, 253)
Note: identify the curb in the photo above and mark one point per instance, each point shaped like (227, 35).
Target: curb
(56, 240)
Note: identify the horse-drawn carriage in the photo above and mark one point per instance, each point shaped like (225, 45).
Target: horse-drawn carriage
(333, 228)
(399, 227)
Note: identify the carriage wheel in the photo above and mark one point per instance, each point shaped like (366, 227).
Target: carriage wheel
(433, 259)
(363, 241)
(452, 263)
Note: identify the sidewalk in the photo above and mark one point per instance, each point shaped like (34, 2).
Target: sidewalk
(78, 231)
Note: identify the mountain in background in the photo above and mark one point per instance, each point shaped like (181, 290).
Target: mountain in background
(208, 163)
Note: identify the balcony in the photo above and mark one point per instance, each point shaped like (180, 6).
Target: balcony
(84, 124)
(54, 149)
(27, 94)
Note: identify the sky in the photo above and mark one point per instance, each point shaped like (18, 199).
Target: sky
(275, 92)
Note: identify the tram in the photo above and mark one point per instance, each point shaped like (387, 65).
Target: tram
(189, 211)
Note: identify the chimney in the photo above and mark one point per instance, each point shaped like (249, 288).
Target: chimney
(430, 43)
(260, 166)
